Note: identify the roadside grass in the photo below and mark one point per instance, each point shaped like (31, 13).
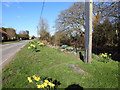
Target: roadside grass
(53, 63)
(8, 42)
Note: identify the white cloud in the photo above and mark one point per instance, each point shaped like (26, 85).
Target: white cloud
(7, 5)
(15, 4)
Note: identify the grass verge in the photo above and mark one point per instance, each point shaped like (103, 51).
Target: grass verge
(67, 69)
(8, 42)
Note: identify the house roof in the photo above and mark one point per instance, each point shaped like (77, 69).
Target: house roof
(3, 32)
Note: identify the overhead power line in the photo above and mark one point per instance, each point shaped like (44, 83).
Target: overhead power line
(42, 9)
(40, 16)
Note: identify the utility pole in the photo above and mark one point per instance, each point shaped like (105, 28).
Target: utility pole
(88, 31)
(118, 25)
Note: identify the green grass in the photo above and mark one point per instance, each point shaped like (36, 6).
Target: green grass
(8, 42)
(55, 64)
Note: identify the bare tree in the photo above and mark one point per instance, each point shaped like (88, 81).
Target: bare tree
(73, 18)
(103, 10)
(43, 30)
(11, 33)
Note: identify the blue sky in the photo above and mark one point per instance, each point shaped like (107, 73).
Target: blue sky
(26, 15)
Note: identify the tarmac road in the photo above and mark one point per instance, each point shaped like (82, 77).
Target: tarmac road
(10, 50)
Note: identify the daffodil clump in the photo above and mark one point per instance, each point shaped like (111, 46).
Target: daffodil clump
(106, 57)
(38, 42)
(40, 83)
(46, 84)
(32, 47)
(41, 44)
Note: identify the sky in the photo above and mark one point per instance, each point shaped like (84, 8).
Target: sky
(26, 15)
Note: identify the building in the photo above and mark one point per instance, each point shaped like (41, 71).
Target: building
(3, 35)
(30, 37)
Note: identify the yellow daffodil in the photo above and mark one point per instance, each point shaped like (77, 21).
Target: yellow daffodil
(37, 78)
(51, 84)
(39, 86)
(41, 44)
(42, 86)
(31, 45)
(28, 47)
(105, 53)
(109, 54)
(33, 76)
(102, 54)
(46, 81)
(30, 81)
(45, 84)
(29, 78)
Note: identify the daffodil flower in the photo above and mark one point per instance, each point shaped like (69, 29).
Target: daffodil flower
(51, 84)
(105, 55)
(34, 46)
(45, 84)
(102, 54)
(37, 78)
(33, 76)
(42, 86)
(31, 45)
(46, 81)
(30, 81)
(41, 44)
(39, 86)
(109, 54)
(29, 78)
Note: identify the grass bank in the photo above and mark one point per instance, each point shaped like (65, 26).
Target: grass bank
(68, 69)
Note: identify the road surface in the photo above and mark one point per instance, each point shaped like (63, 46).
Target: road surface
(9, 51)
